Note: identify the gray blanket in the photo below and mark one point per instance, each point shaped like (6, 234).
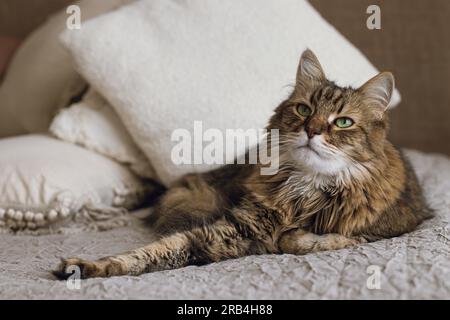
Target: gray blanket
(415, 265)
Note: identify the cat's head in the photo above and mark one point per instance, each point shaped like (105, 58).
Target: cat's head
(328, 129)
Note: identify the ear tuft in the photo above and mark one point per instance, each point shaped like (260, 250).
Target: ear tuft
(377, 92)
(309, 69)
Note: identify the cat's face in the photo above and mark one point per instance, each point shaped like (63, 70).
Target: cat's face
(332, 130)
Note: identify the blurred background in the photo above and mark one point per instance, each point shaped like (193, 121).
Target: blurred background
(413, 43)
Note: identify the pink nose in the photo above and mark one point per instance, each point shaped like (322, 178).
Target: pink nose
(315, 126)
(312, 131)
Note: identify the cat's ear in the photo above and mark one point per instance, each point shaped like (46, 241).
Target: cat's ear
(377, 92)
(309, 70)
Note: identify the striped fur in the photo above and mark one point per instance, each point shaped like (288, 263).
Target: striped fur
(336, 187)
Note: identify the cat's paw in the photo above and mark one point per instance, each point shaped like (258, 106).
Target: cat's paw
(74, 266)
(358, 240)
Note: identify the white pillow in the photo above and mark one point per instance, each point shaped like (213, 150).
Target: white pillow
(93, 124)
(226, 63)
(44, 180)
(41, 74)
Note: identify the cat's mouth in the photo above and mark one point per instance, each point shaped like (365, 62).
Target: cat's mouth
(309, 147)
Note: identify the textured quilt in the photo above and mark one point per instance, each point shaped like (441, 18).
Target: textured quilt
(415, 265)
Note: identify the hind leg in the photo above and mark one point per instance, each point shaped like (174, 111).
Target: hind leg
(216, 242)
(168, 253)
(190, 203)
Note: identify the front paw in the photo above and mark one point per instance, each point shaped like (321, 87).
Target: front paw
(358, 240)
(73, 266)
(333, 241)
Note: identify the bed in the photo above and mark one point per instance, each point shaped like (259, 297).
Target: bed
(412, 266)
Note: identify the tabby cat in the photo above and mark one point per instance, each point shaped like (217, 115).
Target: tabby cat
(340, 184)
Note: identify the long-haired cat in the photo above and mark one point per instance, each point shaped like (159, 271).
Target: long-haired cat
(340, 183)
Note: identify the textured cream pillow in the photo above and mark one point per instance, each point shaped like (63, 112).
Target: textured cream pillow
(164, 64)
(41, 74)
(93, 124)
(44, 180)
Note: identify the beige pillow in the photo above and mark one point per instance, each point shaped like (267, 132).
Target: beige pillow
(165, 64)
(40, 74)
(44, 180)
(93, 124)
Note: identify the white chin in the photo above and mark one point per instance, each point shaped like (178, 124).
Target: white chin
(316, 163)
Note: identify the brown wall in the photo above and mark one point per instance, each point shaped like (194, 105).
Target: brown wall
(414, 43)
(19, 17)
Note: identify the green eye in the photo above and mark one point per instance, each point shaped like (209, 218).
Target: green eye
(304, 110)
(343, 122)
